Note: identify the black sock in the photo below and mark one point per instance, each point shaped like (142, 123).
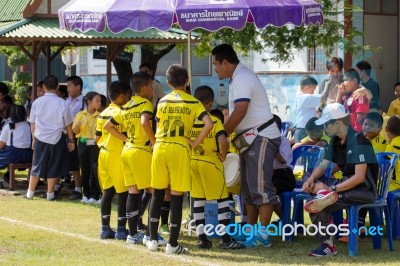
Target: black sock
(176, 219)
(155, 210)
(132, 212)
(165, 208)
(199, 219)
(105, 205)
(224, 216)
(143, 206)
(122, 197)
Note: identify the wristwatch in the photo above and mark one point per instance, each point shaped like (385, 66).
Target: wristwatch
(333, 187)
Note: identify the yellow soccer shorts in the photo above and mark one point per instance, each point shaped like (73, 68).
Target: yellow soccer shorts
(136, 166)
(110, 171)
(170, 165)
(208, 179)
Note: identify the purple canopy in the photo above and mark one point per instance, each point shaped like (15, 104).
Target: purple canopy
(212, 15)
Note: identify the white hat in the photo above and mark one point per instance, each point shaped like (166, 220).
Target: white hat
(331, 111)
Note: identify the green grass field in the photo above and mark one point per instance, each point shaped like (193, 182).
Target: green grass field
(37, 232)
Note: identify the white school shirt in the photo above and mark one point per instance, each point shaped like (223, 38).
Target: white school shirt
(21, 135)
(305, 108)
(75, 104)
(50, 114)
(246, 86)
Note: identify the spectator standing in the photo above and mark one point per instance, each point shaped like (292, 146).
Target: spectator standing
(364, 70)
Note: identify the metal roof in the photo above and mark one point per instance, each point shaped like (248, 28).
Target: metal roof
(47, 29)
(11, 10)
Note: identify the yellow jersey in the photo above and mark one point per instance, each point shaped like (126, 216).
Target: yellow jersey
(130, 119)
(108, 141)
(324, 138)
(87, 124)
(394, 108)
(176, 114)
(210, 143)
(394, 146)
(379, 144)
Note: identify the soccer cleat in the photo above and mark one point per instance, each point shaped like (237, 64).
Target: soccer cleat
(121, 233)
(205, 244)
(161, 240)
(257, 241)
(136, 239)
(176, 250)
(164, 229)
(152, 245)
(321, 201)
(107, 232)
(232, 245)
(323, 250)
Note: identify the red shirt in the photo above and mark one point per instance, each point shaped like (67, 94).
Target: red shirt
(358, 109)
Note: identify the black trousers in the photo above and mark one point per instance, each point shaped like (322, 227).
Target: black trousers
(88, 156)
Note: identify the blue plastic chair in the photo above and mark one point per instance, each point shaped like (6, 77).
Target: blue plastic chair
(310, 157)
(393, 199)
(286, 125)
(387, 162)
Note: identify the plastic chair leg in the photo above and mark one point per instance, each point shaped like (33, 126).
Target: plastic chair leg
(389, 228)
(374, 216)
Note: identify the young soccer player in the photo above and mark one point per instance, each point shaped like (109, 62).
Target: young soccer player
(176, 114)
(84, 128)
(393, 131)
(371, 128)
(136, 155)
(208, 182)
(110, 166)
(394, 107)
(49, 116)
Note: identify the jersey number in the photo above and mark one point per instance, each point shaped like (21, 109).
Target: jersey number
(175, 129)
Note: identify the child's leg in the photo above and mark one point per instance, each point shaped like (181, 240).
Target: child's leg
(199, 218)
(122, 198)
(155, 210)
(224, 217)
(94, 179)
(166, 207)
(51, 185)
(146, 197)
(176, 217)
(132, 209)
(85, 165)
(33, 181)
(105, 207)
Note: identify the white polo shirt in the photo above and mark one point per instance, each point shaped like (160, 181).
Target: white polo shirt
(246, 86)
(21, 135)
(50, 114)
(75, 104)
(306, 108)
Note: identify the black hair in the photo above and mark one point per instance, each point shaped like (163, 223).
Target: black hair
(177, 75)
(375, 116)
(396, 84)
(278, 121)
(50, 82)
(139, 80)
(393, 125)
(225, 52)
(218, 113)
(331, 62)
(117, 88)
(204, 94)
(8, 100)
(353, 74)
(364, 65)
(63, 91)
(311, 126)
(3, 88)
(76, 80)
(40, 83)
(308, 80)
(103, 101)
(88, 97)
(17, 114)
(145, 64)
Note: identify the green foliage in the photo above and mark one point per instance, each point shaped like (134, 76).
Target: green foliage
(281, 41)
(19, 83)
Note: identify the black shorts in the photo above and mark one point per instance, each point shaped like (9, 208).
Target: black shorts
(73, 158)
(50, 160)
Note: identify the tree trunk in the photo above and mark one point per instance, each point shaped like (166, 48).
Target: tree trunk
(124, 70)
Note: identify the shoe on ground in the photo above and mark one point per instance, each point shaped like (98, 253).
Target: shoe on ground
(56, 198)
(176, 250)
(321, 201)
(26, 197)
(205, 244)
(152, 245)
(75, 195)
(257, 241)
(323, 250)
(121, 233)
(161, 240)
(232, 245)
(92, 201)
(107, 233)
(240, 237)
(164, 229)
(84, 199)
(142, 227)
(136, 239)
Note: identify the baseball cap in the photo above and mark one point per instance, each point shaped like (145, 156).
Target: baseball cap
(330, 112)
